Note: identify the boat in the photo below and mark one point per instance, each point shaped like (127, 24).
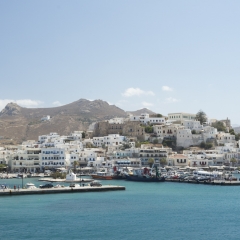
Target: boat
(145, 175)
(118, 173)
(30, 186)
(103, 174)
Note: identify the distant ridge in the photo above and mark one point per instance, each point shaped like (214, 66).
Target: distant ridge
(140, 111)
(18, 123)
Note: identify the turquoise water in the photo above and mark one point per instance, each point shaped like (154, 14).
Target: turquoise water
(143, 211)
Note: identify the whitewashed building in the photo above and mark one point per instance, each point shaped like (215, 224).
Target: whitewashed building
(111, 139)
(144, 118)
(181, 117)
(53, 157)
(184, 138)
(192, 125)
(223, 138)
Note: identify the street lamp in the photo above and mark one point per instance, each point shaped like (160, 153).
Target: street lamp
(80, 175)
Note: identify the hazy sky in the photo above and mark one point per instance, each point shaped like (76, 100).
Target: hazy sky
(168, 56)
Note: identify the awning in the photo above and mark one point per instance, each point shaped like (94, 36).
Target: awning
(123, 162)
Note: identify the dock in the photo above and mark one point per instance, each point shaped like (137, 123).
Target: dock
(215, 182)
(78, 180)
(13, 192)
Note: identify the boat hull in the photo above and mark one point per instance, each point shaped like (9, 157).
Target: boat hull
(144, 179)
(101, 177)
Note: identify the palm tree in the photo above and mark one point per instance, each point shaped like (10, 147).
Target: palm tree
(75, 164)
(233, 161)
(150, 162)
(163, 161)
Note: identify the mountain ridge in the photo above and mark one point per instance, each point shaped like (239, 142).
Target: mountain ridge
(18, 123)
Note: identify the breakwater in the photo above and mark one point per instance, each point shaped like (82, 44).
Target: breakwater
(13, 192)
(215, 182)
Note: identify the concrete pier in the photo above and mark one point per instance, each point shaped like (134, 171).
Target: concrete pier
(12, 192)
(215, 182)
(78, 180)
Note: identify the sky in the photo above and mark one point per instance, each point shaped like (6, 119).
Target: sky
(168, 56)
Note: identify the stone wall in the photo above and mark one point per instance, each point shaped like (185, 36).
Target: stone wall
(129, 129)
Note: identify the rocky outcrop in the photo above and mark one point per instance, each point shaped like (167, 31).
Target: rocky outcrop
(11, 109)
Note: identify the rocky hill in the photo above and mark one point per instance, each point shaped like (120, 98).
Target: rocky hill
(18, 124)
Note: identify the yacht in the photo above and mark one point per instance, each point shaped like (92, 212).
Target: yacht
(30, 186)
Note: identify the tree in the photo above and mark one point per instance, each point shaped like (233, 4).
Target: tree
(208, 145)
(237, 136)
(83, 135)
(194, 132)
(233, 161)
(169, 142)
(201, 116)
(202, 145)
(58, 175)
(159, 115)
(163, 161)
(155, 141)
(149, 129)
(231, 131)
(75, 164)
(126, 146)
(150, 162)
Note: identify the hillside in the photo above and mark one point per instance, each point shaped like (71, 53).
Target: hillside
(18, 124)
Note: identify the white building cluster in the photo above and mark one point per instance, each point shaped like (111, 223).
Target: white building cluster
(53, 151)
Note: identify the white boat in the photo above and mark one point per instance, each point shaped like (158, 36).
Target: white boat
(30, 186)
(207, 174)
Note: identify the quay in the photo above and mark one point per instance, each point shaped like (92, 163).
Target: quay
(82, 180)
(12, 192)
(215, 182)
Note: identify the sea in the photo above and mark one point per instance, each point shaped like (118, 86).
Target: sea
(163, 210)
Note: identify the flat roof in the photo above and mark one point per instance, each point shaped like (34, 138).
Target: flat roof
(183, 113)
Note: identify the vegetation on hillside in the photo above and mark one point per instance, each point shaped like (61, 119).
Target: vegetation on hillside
(206, 145)
(219, 126)
(149, 129)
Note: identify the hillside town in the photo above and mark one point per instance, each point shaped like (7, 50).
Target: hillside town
(182, 140)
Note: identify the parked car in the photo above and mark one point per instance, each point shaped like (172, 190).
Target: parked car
(48, 185)
(95, 184)
(203, 178)
(74, 185)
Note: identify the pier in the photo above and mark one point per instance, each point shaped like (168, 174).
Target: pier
(13, 192)
(215, 182)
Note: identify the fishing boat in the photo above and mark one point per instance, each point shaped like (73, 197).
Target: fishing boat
(118, 173)
(145, 175)
(103, 174)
